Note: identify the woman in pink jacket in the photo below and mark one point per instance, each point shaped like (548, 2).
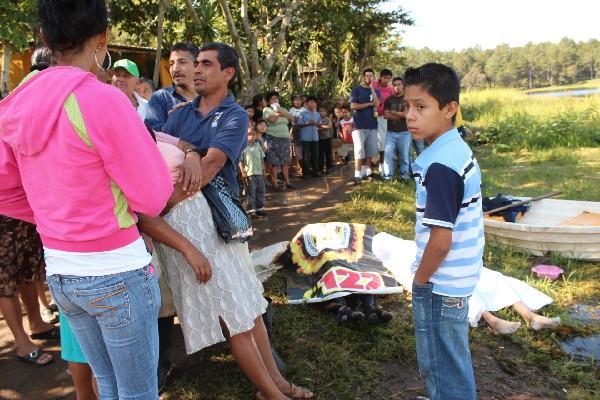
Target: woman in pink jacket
(76, 160)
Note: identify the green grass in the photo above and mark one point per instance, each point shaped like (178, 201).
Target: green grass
(525, 147)
(523, 173)
(510, 120)
(589, 84)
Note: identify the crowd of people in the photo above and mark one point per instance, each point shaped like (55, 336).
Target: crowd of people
(102, 185)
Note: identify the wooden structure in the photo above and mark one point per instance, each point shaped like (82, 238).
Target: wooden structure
(144, 57)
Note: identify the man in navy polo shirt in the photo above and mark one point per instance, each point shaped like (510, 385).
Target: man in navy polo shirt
(213, 122)
(364, 101)
(182, 63)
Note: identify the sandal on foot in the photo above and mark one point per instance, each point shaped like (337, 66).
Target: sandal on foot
(48, 316)
(52, 333)
(36, 357)
(298, 392)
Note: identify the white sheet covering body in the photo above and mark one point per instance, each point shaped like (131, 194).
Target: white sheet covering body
(493, 292)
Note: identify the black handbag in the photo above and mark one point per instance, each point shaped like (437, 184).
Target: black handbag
(231, 220)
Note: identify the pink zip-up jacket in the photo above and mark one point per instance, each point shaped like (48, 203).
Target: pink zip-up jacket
(76, 160)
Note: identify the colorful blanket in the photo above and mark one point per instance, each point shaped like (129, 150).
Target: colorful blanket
(330, 260)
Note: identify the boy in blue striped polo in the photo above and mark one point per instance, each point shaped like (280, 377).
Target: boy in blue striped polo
(449, 233)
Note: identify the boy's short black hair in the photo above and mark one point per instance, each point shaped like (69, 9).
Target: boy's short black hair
(368, 70)
(249, 106)
(439, 80)
(68, 24)
(386, 72)
(345, 106)
(311, 98)
(398, 78)
(261, 121)
(186, 46)
(270, 94)
(226, 55)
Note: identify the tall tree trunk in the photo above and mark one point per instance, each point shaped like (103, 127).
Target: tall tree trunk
(162, 5)
(6, 60)
(192, 11)
(237, 44)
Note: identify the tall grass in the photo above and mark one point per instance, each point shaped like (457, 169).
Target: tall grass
(508, 120)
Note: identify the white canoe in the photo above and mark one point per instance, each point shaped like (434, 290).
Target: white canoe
(559, 226)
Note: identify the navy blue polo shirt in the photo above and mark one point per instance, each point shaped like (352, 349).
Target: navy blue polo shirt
(161, 102)
(365, 118)
(225, 128)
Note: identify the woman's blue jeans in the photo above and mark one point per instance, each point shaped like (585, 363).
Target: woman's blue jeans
(442, 334)
(397, 143)
(114, 319)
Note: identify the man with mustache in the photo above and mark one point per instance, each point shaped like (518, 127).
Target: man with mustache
(182, 62)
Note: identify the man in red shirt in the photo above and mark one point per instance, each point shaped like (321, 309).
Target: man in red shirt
(384, 84)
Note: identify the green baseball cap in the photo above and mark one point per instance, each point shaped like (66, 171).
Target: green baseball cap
(128, 66)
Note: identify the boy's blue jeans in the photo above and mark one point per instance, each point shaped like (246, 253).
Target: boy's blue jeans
(397, 143)
(442, 334)
(114, 318)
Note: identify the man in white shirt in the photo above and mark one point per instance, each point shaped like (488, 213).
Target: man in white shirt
(126, 77)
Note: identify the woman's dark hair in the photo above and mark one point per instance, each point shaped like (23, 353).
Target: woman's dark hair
(68, 24)
(256, 100)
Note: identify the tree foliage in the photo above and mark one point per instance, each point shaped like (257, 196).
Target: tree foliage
(280, 41)
(135, 22)
(17, 22)
(533, 65)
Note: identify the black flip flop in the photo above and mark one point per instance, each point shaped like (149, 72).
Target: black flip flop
(33, 357)
(50, 334)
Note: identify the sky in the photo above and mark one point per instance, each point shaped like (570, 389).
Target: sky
(459, 24)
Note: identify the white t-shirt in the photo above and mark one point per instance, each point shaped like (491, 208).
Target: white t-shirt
(142, 107)
(127, 258)
(296, 112)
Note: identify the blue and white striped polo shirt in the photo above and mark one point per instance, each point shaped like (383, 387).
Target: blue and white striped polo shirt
(449, 195)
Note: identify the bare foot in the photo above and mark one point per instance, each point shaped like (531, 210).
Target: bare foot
(538, 322)
(503, 327)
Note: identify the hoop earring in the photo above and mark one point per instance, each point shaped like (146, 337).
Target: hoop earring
(99, 64)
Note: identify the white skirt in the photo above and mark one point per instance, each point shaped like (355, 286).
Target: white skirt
(233, 293)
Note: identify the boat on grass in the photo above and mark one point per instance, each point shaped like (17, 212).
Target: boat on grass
(567, 227)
